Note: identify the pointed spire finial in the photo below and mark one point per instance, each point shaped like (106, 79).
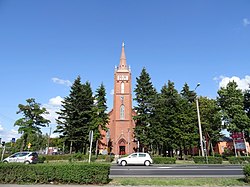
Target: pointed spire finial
(123, 65)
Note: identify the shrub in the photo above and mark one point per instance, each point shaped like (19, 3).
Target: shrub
(109, 158)
(57, 157)
(164, 160)
(78, 157)
(246, 171)
(65, 173)
(239, 160)
(209, 159)
(41, 159)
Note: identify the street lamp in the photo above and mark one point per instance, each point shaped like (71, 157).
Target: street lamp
(199, 122)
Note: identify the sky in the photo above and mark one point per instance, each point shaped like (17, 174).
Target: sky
(45, 45)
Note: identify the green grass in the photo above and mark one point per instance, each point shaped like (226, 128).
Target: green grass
(179, 181)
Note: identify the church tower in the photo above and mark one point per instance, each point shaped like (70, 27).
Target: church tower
(121, 124)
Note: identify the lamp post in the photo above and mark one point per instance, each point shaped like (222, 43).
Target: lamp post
(49, 139)
(199, 122)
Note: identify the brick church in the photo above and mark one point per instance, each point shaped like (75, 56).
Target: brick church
(120, 136)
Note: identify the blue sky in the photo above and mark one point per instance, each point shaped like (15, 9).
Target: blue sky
(45, 45)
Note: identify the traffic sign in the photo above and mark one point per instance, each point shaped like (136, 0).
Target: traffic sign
(13, 140)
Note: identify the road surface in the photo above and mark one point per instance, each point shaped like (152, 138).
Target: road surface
(177, 171)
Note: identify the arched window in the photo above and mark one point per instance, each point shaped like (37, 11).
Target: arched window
(122, 87)
(122, 112)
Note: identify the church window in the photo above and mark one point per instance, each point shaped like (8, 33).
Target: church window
(122, 112)
(122, 87)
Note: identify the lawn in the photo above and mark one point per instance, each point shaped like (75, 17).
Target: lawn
(179, 181)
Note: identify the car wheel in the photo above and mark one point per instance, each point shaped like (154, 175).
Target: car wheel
(26, 162)
(5, 162)
(146, 163)
(123, 163)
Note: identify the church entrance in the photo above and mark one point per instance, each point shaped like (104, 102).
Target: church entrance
(122, 150)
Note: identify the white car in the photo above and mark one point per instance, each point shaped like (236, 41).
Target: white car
(23, 157)
(135, 159)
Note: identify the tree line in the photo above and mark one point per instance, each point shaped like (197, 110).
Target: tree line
(166, 121)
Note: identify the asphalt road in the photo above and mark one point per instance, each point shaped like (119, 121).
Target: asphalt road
(177, 171)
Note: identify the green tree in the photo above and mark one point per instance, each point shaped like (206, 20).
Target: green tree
(188, 94)
(145, 95)
(210, 121)
(32, 120)
(247, 102)
(56, 142)
(100, 116)
(164, 119)
(69, 112)
(231, 101)
(74, 121)
(247, 110)
(187, 120)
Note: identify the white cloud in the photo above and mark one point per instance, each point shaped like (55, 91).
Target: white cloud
(56, 101)
(245, 22)
(54, 135)
(12, 134)
(243, 83)
(61, 81)
(8, 135)
(53, 106)
(1, 128)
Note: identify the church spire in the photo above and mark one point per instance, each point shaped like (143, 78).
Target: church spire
(123, 64)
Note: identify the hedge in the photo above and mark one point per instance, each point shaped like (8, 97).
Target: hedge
(63, 173)
(164, 160)
(246, 171)
(209, 159)
(76, 157)
(239, 160)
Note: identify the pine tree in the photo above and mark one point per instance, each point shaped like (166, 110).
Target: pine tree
(100, 115)
(74, 121)
(164, 119)
(188, 119)
(145, 97)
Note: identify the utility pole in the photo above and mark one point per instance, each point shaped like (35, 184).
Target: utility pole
(199, 122)
(90, 140)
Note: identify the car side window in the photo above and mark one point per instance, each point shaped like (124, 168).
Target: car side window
(23, 154)
(17, 155)
(134, 155)
(142, 155)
